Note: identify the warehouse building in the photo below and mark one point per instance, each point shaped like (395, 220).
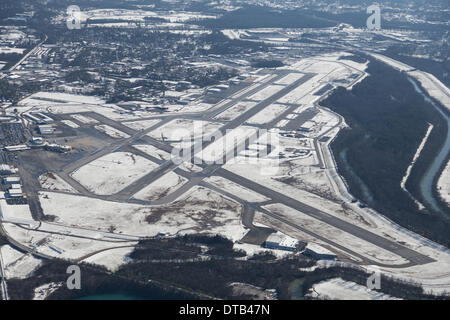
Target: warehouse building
(11, 180)
(7, 169)
(317, 252)
(280, 241)
(46, 129)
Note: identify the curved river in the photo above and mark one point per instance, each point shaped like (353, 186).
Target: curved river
(426, 184)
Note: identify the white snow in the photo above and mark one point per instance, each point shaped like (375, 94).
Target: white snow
(198, 210)
(161, 187)
(339, 289)
(84, 119)
(70, 124)
(290, 78)
(141, 124)
(17, 264)
(112, 132)
(43, 291)
(235, 189)
(267, 114)
(235, 110)
(443, 184)
(113, 172)
(265, 93)
(52, 181)
(416, 156)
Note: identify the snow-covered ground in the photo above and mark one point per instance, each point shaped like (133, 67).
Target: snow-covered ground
(84, 119)
(17, 264)
(184, 129)
(15, 212)
(235, 189)
(290, 78)
(161, 187)
(408, 171)
(153, 151)
(265, 93)
(234, 34)
(307, 87)
(220, 147)
(43, 291)
(70, 124)
(443, 185)
(236, 110)
(52, 181)
(68, 242)
(267, 114)
(434, 87)
(112, 132)
(141, 124)
(111, 259)
(113, 172)
(339, 289)
(198, 210)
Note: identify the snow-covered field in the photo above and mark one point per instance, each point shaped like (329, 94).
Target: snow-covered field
(199, 210)
(220, 147)
(113, 172)
(15, 212)
(236, 110)
(161, 187)
(434, 87)
(443, 185)
(70, 124)
(267, 114)
(68, 242)
(112, 132)
(84, 119)
(17, 264)
(265, 93)
(9, 50)
(184, 129)
(141, 124)
(52, 181)
(356, 244)
(302, 90)
(290, 78)
(234, 34)
(339, 289)
(236, 189)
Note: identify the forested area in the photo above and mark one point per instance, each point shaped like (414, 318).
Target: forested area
(145, 278)
(388, 120)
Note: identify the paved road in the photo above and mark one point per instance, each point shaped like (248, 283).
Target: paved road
(3, 287)
(411, 255)
(208, 170)
(32, 51)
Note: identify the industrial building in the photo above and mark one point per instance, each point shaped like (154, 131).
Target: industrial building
(7, 169)
(11, 180)
(318, 252)
(279, 241)
(46, 129)
(39, 118)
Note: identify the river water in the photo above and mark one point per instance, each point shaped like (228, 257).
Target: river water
(426, 184)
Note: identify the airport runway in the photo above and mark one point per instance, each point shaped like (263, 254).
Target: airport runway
(194, 179)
